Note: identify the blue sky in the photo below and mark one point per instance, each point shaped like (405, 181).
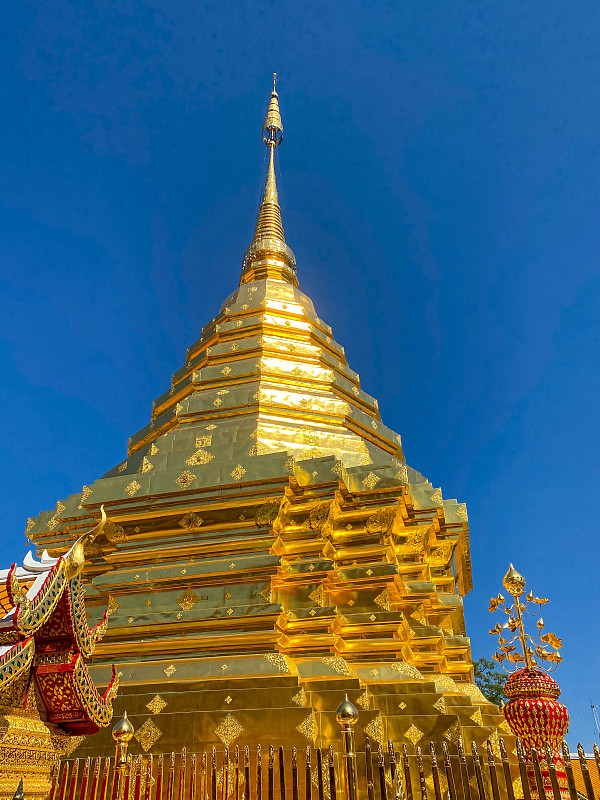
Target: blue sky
(439, 181)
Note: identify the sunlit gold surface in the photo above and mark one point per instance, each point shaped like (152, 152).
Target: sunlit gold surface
(275, 550)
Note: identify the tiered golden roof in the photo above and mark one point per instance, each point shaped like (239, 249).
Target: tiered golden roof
(268, 546)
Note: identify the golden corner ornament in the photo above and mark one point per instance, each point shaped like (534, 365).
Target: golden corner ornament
(533, 711)
(48, 702)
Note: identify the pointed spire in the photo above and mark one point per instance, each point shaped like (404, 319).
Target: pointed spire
(269, 256)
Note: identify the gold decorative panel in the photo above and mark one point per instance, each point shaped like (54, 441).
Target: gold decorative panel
(148, 734)
(187, 599)
(156, 705)
(228, 730)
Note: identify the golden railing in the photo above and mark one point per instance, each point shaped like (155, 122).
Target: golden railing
(432, 772)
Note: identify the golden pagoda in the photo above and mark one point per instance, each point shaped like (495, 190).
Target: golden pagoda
(268, 549)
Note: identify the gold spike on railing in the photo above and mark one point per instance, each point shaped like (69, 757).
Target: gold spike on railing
(62, 781)
(523, 771)
(307, 777)
(369, 769)
(491, 764)
(294, 774)
(258, 772)
(552, 771)
(203, 784)
(434, 772)
(585, 772)
(537, 772)
(569, 771)
(192, 792)
(73, 782)
(448, 771)
(84, 779)
(281, 775)
(506, 771)
(213, 775)
(320, 773)
(407, 777)
(271, 772)
(421, 771)
(597, 758)
(331, 764)
(159, 778)
(464, 770)
(381, 771)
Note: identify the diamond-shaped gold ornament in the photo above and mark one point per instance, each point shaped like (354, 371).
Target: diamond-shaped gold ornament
(228, 730)
(190, 521)
(413, 734)
(300, 698)
(169, 670)
(238, 473)
(133, 487)
(309, 728)
(148, 735)
(185, 479)
(156, 705)
(371, 481)
(374, 729)
(187, 599)
(440, 705)
(338, 664)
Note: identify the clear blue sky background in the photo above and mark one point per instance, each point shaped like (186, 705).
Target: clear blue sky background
(440, 190)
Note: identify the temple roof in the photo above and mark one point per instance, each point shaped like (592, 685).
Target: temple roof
(265, 392)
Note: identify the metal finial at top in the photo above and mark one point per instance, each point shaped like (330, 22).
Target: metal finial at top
(268, 255)
(272, 129)
(534, 649)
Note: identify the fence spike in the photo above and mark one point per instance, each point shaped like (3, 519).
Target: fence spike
(271, 772)
(320, 773)
(332, 790)
(478, 772)
(448, 771)
(95, 779)
(523, 771)
(247, 791)
(104, 785)
(491, 762)
(381, 767)
(510, 792)
(552, 772)
(407, 777)
(422, 783)
(369, 769)
(569, 770)
(464, 770)
(585, 771)
(294, 774)
(307, 777)
(434, 772)
(281, 775)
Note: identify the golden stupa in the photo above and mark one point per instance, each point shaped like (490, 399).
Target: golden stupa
(268, 549)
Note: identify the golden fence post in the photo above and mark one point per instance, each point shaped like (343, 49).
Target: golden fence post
(122, 734)
(347, 717)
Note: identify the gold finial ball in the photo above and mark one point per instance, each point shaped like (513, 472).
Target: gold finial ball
(346, 713)
(123, 730)
(514, 582)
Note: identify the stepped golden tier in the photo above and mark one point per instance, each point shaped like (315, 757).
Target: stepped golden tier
(268, 548)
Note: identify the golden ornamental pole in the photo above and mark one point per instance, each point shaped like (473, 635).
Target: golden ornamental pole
(122, 734)
(347, 717)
